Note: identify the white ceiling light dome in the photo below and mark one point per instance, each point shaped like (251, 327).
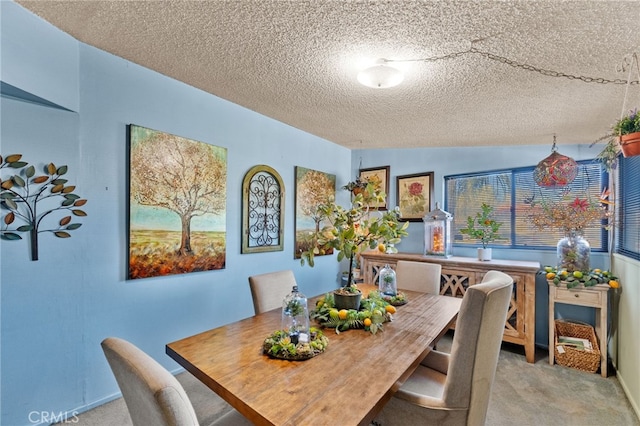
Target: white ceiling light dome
(380, 76)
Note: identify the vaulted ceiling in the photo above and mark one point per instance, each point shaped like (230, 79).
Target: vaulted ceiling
(297, 61)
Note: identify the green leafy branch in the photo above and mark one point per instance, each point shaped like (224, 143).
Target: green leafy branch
(356, 228)
(21, 193)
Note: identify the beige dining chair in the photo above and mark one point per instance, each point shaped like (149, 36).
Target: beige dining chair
(152, 394)
(454, 389)
(268, 290)
(418, 276)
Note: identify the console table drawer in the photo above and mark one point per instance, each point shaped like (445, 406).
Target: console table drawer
(580, 297)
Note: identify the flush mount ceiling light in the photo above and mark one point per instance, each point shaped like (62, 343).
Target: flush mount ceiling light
(380, 76)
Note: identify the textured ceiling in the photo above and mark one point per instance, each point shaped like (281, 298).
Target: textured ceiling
(296, 61)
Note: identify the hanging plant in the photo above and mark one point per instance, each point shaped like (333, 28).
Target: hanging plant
(21, 194)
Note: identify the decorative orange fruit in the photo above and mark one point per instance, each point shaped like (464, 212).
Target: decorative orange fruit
(391, 309)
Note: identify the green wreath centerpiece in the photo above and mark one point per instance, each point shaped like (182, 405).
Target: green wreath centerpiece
(373, 312)
(279, 345)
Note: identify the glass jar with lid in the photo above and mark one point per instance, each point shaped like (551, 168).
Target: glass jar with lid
(295, 316)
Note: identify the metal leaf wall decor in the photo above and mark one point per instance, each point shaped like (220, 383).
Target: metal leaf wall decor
(21, 193)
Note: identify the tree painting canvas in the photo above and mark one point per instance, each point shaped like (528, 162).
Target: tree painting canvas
(177, 204)
(312, 188)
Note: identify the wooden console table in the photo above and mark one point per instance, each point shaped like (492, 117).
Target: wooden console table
(595, 297)
(458, 273)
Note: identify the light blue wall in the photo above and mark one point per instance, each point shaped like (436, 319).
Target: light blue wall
(37, 57)
(55, 312)
(450, 161)
(457, 160)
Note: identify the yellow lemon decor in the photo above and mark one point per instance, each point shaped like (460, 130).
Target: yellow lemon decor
(581, 278)
(373, 312)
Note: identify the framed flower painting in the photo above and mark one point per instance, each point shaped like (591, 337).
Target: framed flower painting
(379, 176)
(414, 193)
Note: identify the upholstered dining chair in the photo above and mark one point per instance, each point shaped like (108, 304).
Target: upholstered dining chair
(418, 276)
(152, 394)
(454, 389)
(269, 289)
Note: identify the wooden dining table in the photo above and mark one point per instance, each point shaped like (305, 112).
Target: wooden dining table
(347, 384)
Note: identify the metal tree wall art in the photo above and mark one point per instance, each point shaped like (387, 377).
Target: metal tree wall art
(22, 193)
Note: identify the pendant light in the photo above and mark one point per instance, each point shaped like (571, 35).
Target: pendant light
(556, 170)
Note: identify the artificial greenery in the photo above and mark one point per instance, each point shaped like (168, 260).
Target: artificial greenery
(356, 228)
(578, 278)
(279, 345)
(483, 227)
(373, 312)
(399, 299)
(294, 308)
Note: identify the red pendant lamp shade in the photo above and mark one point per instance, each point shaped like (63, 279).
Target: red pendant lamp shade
(556, 169)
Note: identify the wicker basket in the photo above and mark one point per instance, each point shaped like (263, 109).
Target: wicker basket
(579, 359)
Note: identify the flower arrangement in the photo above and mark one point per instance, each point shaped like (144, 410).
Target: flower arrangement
(356, 228)
(487, 228)
(569, 215)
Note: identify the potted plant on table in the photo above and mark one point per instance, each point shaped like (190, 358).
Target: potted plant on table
(484, 228)
(354, 229)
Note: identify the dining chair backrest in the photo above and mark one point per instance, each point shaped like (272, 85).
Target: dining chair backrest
(476, 345)
(153, 395)
(418, 276)
(268, 290)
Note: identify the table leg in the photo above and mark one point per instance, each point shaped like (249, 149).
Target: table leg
(601, 330)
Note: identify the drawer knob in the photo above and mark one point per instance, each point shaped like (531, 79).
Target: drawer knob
(577, 295)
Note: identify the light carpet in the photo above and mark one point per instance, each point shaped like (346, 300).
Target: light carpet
(523, 394)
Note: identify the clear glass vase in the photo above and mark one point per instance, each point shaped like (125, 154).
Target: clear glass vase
(387, 281)
(573, 253)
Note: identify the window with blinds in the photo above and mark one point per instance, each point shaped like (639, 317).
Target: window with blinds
(511, 193)
(629, 200)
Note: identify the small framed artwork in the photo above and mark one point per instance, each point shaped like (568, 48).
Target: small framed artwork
(262, 210)
(414, 193)
(380, 177)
